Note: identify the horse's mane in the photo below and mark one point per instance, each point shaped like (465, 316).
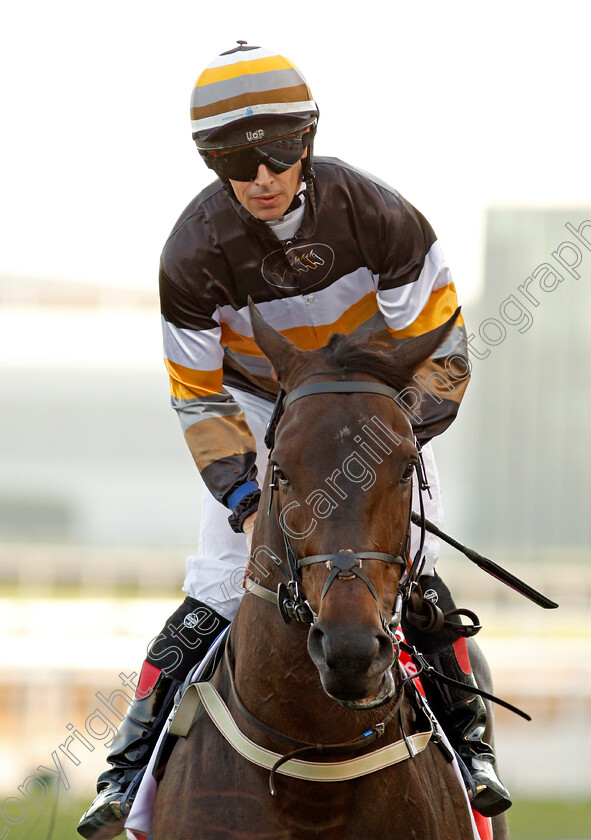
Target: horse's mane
(375, 357)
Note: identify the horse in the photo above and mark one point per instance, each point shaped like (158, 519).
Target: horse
(324, 694)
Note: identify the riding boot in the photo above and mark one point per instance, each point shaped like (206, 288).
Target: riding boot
(130, 752)
(183, 642)
(461, 713)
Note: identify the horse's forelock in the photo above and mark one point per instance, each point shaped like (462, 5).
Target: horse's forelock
(353, 353)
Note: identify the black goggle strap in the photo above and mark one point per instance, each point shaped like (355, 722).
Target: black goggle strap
(242, 163)
(210, 159)
(292, 143)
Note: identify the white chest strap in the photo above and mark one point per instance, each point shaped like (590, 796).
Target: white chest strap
(313, 771)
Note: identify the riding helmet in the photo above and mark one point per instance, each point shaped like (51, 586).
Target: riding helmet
(250, 95)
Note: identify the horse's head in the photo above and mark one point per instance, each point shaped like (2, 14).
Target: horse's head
(343, 463)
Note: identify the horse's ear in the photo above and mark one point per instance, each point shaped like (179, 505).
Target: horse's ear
(280, 351)
(414, 351)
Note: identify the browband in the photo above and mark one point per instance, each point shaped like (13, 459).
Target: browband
(341, 388)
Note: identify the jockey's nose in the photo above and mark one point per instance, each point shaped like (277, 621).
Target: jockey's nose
(263, 176)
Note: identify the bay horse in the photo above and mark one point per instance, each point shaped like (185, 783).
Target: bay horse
(343, 519)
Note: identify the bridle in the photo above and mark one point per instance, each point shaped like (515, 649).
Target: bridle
(346, 563)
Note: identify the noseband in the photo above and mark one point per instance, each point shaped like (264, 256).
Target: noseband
(346, 564)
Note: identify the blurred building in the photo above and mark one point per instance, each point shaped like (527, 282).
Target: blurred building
(90, 450)
(517, 463)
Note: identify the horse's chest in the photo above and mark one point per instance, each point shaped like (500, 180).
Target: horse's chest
(211, 791)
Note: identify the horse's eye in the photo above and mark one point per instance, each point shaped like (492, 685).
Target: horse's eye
(280, 476)
(407, 473)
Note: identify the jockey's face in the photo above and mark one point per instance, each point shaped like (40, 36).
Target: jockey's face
(270, 194)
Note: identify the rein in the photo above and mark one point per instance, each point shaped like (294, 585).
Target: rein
(205, 694)
(290, 764)
(300, 747)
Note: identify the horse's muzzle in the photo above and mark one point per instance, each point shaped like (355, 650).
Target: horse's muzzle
(352, 663)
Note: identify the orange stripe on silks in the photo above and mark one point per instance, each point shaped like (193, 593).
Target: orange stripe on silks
(187, 383)
(439, 308)
(242, 68)
(307, 338)
(484, 826)
(239, 343)
(219, 437)
(311, 338)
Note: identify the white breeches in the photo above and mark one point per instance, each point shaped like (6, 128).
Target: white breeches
(214, 575)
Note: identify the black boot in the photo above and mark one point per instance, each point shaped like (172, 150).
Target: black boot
(185, 639)
(130, 752)
(463, 718)
(461, 713)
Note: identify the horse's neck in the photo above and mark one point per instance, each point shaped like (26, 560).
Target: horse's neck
(270, 657)
(268, 652)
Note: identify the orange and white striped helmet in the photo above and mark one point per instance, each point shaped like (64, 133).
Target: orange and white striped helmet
(247, 93)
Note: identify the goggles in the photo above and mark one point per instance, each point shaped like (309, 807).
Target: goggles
(242, 164)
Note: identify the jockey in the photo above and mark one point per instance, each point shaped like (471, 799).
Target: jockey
(321, 248)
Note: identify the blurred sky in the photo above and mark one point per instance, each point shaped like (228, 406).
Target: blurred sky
(456, 104)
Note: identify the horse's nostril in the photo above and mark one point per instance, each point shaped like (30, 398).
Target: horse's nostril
(325, 649)
(386, 647)
(315, 639)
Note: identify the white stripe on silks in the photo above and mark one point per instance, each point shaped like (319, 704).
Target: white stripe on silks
(253, 110)
(313, 771)
(212, 407)
(284, 77)
(196, 349)
(285, 313)
(241, 55)
(403, 305)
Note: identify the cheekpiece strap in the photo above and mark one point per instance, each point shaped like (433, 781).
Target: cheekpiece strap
(275, 418)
